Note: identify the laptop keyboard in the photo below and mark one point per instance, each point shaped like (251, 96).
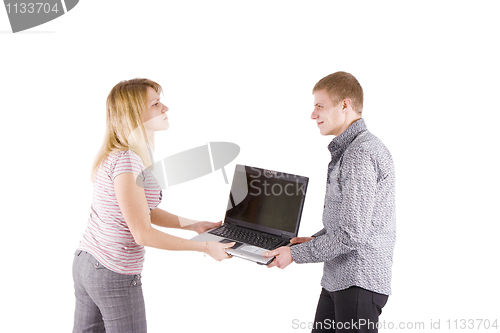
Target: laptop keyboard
(249, 237)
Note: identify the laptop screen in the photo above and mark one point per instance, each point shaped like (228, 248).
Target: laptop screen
(266, 200)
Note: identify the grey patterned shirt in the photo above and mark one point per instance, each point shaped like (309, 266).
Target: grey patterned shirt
(357, 241)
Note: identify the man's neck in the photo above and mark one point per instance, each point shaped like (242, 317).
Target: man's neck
(348, 124)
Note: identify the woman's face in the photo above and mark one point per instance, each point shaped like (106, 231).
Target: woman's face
(155, 117)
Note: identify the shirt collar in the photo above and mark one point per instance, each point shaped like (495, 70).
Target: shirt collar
(347, 136)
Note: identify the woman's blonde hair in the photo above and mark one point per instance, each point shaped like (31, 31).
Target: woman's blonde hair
(125, 107)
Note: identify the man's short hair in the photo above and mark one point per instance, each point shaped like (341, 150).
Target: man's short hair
(341, 85)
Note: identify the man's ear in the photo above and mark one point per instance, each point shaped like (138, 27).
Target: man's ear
(346, 103)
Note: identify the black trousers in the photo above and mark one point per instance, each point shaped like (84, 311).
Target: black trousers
(351, 310)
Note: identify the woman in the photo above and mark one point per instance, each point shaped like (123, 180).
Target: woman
(108, 263)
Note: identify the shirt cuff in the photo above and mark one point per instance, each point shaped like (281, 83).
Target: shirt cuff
(301, 253)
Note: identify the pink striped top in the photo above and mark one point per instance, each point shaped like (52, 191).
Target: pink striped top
(107, 236)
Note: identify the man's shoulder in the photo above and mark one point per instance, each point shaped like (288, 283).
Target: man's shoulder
(367, 141)
(369, 145)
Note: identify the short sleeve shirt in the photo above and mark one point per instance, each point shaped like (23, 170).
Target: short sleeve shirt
(107, 236)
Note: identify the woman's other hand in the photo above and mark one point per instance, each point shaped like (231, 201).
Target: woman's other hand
(201, 227)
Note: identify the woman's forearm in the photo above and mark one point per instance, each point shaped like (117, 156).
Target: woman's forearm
(165, 219)
(152, 237)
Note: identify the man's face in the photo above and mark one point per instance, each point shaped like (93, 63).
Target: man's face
(329, 118)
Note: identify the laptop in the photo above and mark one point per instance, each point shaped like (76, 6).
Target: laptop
(263, 212)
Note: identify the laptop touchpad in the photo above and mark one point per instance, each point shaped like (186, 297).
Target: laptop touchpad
(253, 249)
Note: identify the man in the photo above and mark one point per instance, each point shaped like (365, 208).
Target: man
(357, 241)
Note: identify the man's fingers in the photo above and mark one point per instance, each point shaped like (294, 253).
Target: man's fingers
(272, 264)
(270, 254)
(300, 240)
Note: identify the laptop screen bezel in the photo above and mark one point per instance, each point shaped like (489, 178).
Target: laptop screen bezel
(302, 180)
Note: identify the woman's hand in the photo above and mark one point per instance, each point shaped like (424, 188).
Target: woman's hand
(201, 227)
(218, 250)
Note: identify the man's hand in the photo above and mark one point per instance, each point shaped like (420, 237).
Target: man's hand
(283, 257)
(201, 227)
(300, 240)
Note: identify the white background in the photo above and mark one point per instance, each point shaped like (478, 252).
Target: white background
(242, 72)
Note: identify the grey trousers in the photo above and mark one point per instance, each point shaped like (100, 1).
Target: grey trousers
(106, 301)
